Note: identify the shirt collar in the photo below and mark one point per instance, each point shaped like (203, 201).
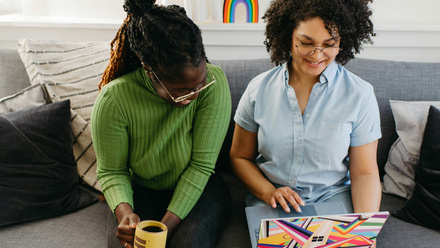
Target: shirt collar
(329, 74)
(286, 73)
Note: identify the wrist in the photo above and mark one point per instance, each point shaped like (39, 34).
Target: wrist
(266, 195)
(122, 210)
(171, 221)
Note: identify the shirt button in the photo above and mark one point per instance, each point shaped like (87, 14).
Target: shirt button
(307, 115)
(298, 159)
(316, 93)
(293, 181)
(299, 138)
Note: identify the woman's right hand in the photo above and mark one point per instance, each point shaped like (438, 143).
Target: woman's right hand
(127, 224)
(285, 196)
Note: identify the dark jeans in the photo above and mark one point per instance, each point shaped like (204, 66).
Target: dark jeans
(201, 227)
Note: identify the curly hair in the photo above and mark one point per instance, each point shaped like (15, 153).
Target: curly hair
(162, 37)
(351, 18)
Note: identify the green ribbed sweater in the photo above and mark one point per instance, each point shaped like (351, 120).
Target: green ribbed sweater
(138, 136)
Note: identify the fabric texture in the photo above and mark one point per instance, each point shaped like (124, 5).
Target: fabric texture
(423, 206)
(139, 137)
(38, 176)
(308, 151)
(82, 228)
(70, 70)
(410, 118)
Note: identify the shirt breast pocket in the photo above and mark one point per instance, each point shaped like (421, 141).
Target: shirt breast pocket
(332, 142)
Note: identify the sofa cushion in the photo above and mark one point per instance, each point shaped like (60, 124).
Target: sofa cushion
(38, 177)
(397, 233)
(410, 120)
(83, 228)
(423, 207)
(71, 70)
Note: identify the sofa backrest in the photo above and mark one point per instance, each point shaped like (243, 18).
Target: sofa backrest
(392, 80)
(239, 73)
(406, 81)
(13, 76)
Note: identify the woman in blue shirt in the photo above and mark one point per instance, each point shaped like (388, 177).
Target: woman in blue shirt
(301, 126)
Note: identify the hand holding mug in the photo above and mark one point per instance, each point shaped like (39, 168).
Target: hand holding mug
(126, 230)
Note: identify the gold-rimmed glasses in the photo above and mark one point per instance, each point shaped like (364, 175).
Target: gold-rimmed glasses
(209, 78)
(305, 50)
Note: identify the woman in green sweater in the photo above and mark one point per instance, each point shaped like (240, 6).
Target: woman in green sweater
(158, 125)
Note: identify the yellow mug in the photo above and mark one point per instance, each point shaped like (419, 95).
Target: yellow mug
(150, 234)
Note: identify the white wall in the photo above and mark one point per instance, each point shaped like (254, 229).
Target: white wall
(406, 12)
(385, 12)
(406, 29)
(70, 8)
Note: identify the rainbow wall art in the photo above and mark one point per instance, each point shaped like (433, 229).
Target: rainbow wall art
(230, 7)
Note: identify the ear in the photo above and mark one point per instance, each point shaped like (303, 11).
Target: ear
(147, 69)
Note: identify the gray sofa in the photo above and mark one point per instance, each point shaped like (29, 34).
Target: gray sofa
(87, 227)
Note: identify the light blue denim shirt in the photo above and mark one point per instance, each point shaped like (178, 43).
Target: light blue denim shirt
(309, 152)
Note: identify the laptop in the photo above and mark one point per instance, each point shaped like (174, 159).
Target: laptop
(269, 227)
(324, 231)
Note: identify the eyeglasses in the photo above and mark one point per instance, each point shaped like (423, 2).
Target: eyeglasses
(305, 50)
(209, 77)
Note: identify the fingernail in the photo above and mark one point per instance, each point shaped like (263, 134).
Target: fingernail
(298, 210)
(288, 210)
(302, 203)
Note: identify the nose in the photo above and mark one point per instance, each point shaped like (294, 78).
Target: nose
(321, 49)
(318, 52)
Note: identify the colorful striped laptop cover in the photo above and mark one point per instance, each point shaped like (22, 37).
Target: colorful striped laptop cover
(326, 231)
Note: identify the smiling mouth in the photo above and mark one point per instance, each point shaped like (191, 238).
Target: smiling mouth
(315, 63)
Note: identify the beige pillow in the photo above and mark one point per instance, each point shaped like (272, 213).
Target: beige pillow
(71, 70)
(410, 118)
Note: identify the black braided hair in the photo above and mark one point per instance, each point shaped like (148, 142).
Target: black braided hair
(351, 18)
(162, 37)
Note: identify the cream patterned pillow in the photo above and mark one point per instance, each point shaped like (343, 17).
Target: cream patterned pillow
(70, 70)
(410, 118)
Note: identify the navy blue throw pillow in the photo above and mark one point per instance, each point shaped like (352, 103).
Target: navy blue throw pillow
(423, 208)
(38, 174)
